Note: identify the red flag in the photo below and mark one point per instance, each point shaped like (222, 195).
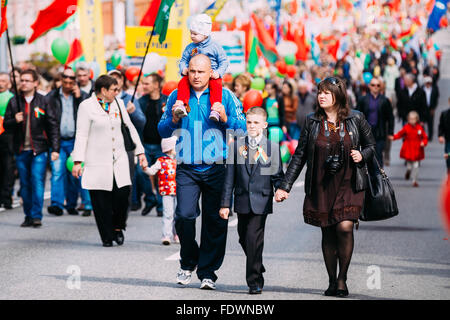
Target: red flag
(150, 16)
(52, 16)
(76, 51)
(302, 50)
(246, 28)
(263, 35)
(4, 22)
(333, 49)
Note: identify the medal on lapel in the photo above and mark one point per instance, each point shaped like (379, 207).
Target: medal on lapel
(260, 153)
(38, 112)
(243, 151)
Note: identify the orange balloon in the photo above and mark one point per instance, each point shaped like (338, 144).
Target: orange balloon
(169, 86)
(252, 98)
(131, 73)
(291, 71)
(281, 66)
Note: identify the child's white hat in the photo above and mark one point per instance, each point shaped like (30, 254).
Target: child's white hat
(202, 24)
(168, 144)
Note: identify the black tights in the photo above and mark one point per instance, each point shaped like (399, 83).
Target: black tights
(337, 245)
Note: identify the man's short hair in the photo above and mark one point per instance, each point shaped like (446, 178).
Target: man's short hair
(156, 78)
(6, 74)
(257, 110)
(104, 81)
(82, 66)
(32, 72)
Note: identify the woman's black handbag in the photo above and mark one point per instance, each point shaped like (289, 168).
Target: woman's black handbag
(128, 141)
(379, 203)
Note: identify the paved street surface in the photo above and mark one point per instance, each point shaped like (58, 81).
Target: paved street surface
(407, 257)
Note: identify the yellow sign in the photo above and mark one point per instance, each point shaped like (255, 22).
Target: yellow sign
(91, 29)
(179, 15)
(136, 40)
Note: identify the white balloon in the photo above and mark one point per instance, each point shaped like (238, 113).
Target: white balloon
(153, 63)
(286, 48)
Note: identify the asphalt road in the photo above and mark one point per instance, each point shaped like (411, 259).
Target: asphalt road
(407, 257)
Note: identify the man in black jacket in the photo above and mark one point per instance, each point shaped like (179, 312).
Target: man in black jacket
(378, 111)
(432, 96)
(412, 98)
(444, 134)
(152, 104)
(35, 129)
(64, 187)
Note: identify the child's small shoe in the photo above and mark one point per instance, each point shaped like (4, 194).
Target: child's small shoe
(415, 184)
(166, 241)
(214, 115)
(181, 110)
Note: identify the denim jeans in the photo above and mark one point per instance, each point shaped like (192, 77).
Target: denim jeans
(294, 131)
(152, 152)
(63, 185)
(32, 171)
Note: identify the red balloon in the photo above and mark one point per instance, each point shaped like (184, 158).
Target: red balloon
(227, 77)
(169, 86)
(281, 66)
(131, 73)
(252, 98)
(291, 71)
(91, 74)
(292, 146)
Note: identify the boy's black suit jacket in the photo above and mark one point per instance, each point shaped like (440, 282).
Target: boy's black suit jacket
(253, 183)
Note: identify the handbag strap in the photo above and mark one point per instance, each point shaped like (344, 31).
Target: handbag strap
(120, 112)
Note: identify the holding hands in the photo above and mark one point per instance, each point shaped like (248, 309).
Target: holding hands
(281, 195)
(224, 212)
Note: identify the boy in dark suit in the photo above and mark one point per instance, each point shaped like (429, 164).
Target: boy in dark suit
(254, 169)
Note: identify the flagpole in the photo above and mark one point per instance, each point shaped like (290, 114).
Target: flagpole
(142, 64)
(12, 66)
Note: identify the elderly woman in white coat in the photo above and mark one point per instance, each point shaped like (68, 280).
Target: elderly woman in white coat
(100, 145)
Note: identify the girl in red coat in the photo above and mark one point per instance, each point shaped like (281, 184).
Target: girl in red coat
(414, 141)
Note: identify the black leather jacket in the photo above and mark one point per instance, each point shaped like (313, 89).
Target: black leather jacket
(44, 127)
(361, 136)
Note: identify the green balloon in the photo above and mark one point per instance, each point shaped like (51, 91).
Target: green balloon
(60, 49)
(69, 164)
(285, 154)
(279, 75)
(289, 59)
(258, 84)
(275, 134)
(116, 58)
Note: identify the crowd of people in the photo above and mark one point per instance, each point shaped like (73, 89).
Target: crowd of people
(116, 152)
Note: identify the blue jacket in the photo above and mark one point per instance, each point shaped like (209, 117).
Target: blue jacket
(202, 141)
(215, 52)
(137, 117)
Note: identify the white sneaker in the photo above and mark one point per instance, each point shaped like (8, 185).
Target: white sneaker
(184, 277)
(176, 239)
(208, 284)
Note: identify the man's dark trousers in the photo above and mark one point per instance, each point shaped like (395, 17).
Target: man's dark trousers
(207, 257)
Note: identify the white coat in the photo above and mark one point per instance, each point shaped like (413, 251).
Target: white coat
(99, 144)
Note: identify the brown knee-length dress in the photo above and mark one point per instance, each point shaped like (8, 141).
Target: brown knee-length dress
(332, 199)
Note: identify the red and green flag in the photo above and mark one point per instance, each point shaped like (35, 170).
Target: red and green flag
(53, 16)
(266, 42)
(150, 16)
(4, 22)
(162, 19)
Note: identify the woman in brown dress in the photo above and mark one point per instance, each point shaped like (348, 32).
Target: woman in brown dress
(335, 145)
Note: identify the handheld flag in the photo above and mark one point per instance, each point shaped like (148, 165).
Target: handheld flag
(162, 19)
(52, 16)
(4, 22)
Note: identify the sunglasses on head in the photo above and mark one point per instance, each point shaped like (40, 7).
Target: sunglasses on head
(68, 77)
(333, 80)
